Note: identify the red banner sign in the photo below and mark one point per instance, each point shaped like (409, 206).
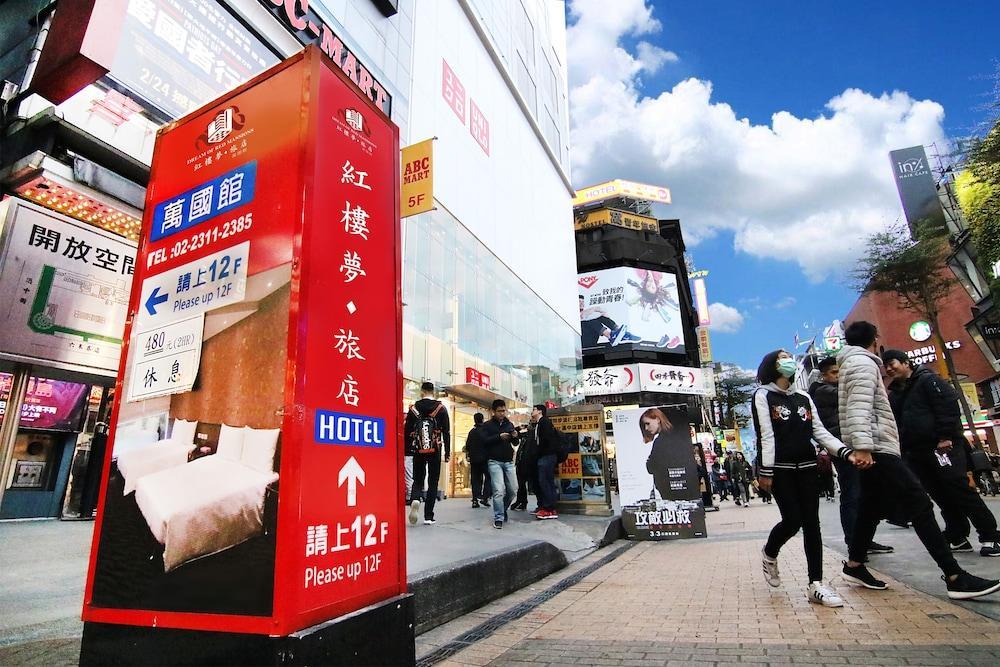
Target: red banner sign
(267, 497)
(478, 378)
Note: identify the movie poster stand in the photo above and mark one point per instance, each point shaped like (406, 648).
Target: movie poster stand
(658, 478)
(584, 478)
(251, 509)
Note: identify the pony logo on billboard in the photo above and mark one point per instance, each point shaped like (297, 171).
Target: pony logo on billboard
(220, 127)
(587, 282)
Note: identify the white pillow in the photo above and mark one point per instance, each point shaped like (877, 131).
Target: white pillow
(183, 432)
(258, 448)
(231, 443)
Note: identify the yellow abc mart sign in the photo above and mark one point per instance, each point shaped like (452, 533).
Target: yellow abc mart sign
(417, 183)
(610, 216)
(620, 188)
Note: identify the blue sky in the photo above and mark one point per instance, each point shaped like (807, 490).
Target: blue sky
(773, 208)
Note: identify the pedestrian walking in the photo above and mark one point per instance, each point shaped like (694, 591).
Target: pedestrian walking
(547, 439)
(739, 480)
(933, 446)
(500, 437)
(475, 452)
(526, 465)
(784, 419)
(427, 431)
(765, 496)
(824, 394)
(869, 428)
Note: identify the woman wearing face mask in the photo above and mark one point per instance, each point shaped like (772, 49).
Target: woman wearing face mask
(784, 419)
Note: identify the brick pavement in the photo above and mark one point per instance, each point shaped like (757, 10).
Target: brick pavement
(705, 602)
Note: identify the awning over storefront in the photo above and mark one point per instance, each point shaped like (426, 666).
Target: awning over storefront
(482, 395)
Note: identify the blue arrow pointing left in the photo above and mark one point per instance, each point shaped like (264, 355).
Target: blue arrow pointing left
(154, 300)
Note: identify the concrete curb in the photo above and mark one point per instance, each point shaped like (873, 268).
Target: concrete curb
(445, 593)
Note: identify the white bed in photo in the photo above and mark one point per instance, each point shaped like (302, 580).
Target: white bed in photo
(138, 461)
(212, 503)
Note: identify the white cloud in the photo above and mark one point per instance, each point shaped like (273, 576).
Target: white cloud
(725, 319)
(807, 190)
(787, 302)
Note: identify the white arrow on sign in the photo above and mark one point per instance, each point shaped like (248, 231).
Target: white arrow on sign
(352, 473)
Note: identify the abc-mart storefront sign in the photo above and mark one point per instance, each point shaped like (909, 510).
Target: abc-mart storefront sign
(630, 378)
(309, 28)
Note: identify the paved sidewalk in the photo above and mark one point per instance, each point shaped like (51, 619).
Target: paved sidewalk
(705, 602)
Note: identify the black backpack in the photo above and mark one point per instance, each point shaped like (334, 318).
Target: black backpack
(427, 437)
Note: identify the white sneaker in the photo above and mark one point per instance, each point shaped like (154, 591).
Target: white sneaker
(414, 511)
(820, 593)
(770, 565)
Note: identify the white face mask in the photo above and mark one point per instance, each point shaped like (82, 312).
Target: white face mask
(787, 367)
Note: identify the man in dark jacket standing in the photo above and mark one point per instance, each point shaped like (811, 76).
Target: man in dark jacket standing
(547, 444)
(824, 395)
(526, 465)
(427, 463)
(500, 437)
(930, 432)
(475, 452)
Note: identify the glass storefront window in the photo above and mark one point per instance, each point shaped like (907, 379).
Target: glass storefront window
(459, 293)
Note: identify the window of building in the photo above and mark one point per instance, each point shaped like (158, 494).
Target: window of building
(526, 86)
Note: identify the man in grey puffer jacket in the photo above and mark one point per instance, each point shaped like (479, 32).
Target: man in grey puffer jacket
(868, 427)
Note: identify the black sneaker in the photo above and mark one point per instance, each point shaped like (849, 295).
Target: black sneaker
(475, 504)
(960, 547)
(876, 548)
(967, 586)
(990, 549)
(498, 524)
(861, 576)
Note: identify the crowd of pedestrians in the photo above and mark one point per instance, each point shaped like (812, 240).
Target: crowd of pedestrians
(895, 449)
(506, 462)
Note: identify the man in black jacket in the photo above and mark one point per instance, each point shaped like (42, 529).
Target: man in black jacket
(475, 452)
(500, 437)
(432, 414)
(547, 439)
(933, 446)
(526, 465)
(824, 395)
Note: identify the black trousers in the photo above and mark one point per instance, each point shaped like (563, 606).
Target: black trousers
(948, 486)
(481, 489)
(429, 466)
(890, 482)
(797, 495)
(527, 480)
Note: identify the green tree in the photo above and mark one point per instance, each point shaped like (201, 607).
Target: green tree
(978, 192)
(734, 389)
(914, 268)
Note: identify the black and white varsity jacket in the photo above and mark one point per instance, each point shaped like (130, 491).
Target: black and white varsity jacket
(786, 425)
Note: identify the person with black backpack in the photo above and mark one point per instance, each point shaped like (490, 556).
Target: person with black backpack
(548, 447)
(426, 432)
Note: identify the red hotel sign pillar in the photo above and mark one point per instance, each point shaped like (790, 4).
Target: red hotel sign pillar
(271, 240)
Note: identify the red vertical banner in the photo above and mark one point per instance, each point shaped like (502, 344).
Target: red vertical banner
(252, 482)
(348, 550)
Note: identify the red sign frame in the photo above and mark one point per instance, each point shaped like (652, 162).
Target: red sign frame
(298, 121)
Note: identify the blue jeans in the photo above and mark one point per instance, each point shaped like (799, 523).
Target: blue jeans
(547, 492)
(503, 477)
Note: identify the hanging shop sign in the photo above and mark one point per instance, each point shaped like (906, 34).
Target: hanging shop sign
(64, 288)
(704, 345)
(477, 377)
(657, 474)
(614, 217)
(701, 302)
(620, 188)
(309, 28)
(990, 331)
(300, 406)
(417, 194)
(917, 189)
